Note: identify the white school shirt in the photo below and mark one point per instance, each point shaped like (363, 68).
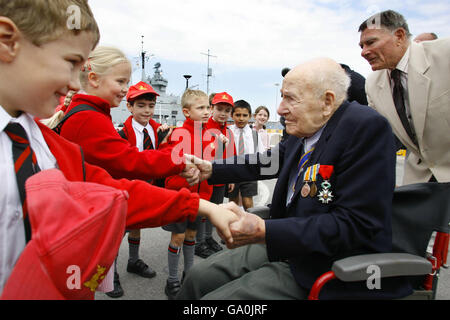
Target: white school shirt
(12, 234)
(138, 128)
(249, 147)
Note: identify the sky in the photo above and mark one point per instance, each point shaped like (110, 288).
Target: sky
(250, 41)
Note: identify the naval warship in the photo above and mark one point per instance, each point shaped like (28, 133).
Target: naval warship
(167, 108)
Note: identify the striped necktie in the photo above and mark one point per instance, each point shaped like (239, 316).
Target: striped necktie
(25, 165)
(148, 145)
(241, 142)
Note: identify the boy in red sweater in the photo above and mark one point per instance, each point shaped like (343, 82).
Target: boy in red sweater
(187, 139)
(221, 146)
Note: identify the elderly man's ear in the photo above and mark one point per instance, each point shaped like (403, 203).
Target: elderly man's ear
(9, 44)
(329, 103)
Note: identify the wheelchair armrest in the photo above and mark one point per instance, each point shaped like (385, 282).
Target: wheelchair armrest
(261, 211)
(390, 265)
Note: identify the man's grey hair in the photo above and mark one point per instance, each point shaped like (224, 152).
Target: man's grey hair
(389, 19)
(336, 80)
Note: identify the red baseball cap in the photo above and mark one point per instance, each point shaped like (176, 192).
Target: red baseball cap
(139, 89)
(223, 97)
(77, 229)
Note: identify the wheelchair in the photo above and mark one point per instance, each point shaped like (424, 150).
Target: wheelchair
(420, 212)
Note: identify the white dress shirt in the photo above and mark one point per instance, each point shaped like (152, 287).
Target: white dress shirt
(249, 147)
(138, 131)
(12, 234)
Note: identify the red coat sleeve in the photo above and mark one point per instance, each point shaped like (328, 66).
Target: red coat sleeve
(104, 147)
(149, 206)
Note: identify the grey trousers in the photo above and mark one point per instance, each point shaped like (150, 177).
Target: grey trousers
(244, 273)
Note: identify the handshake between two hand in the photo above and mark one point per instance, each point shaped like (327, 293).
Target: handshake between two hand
(247, 229)
(234, 225)
(196, 169)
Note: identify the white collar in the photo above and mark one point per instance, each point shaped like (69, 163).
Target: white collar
(5, 118)
(403, 63)
(310, 142)
(25, 119)
(139, 127)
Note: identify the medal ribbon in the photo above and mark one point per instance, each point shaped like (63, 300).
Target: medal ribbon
(307, 177)
(325, 171)
(301, 163)
(315, 171)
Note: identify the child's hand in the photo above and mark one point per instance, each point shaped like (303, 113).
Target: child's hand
(164, 132)
(163, 127)
(224, 139)
(233, 207)
(230, 187)
(220, 217)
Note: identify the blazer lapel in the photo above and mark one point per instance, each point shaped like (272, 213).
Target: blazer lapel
(418, 87)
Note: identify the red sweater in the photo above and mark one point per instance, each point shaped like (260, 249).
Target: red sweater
(189, 139)
(214, 129)
(103, 146)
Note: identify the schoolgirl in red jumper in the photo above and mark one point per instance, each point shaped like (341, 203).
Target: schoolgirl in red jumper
(105, 79)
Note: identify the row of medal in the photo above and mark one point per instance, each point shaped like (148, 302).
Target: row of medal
(325, 195)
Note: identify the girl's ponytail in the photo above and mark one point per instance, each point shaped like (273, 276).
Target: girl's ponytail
(54, 120)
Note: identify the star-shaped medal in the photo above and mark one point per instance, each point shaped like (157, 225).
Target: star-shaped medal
(325, 196)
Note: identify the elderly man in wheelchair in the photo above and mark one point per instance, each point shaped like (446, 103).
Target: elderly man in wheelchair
(335, 228)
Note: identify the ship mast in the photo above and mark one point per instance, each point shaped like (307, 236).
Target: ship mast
(143, 59)
(208, 70)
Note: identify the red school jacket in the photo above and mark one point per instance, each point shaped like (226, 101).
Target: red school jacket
(189, 139)
(214, 127)
(103, 146)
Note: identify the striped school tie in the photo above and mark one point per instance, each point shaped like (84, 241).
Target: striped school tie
(241, 142)
(148, 145)
(25, 165)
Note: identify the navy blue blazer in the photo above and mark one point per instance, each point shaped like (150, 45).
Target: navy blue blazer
(310, 235)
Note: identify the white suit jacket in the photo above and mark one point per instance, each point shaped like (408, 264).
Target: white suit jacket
(429, 100)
